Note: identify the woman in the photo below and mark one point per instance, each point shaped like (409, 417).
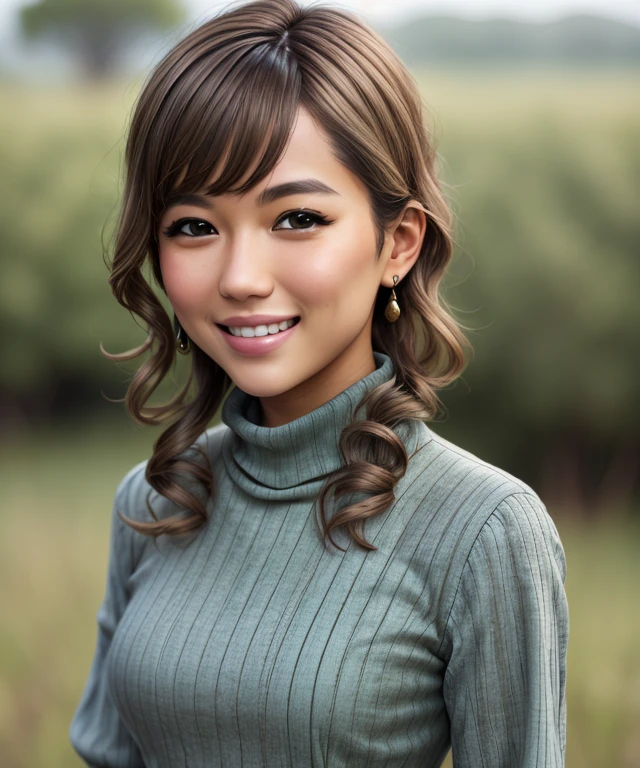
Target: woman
(281, 182)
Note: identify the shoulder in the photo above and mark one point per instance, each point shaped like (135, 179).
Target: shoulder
(520, 537)
(474, 509)
(513, 578)
(130, 489)
(134, 489)
(127, 544)
(458, 489)
(460, 466)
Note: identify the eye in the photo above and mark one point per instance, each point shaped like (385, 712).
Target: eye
(301, 218)
(194, 228)
(195, 225)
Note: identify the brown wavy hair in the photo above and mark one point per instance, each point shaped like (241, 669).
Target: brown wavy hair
(227, 90)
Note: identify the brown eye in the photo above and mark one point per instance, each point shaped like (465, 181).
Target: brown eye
(302, 220)
(194, 227)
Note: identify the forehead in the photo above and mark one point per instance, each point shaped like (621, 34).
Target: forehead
(309, 153)
(307, 163)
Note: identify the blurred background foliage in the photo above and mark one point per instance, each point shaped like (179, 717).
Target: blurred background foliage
(96, 33)
(540, 159)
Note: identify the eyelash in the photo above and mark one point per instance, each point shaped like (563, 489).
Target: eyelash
(174, 229)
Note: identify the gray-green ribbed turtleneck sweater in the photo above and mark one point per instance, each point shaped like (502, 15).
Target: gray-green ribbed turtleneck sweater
(253, 645)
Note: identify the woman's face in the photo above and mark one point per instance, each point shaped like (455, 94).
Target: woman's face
(303, 254)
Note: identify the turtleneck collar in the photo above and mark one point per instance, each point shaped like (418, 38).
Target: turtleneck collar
(291, 461)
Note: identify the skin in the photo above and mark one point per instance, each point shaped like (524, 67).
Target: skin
(240, 258)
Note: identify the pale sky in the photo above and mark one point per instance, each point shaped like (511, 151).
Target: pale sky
(384, 10)
(50, 62)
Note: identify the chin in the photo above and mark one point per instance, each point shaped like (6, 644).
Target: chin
(262, 385)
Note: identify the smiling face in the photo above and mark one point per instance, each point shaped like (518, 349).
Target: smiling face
(307, 254)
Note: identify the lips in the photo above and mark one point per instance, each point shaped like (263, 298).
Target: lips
(258, 345)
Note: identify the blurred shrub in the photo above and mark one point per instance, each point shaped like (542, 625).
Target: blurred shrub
(543, 173)
(61, 152)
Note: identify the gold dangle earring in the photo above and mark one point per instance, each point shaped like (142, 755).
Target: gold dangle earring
(392, 310)
(182, 340)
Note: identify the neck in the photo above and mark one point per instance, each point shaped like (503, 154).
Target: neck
(291, 461)
(315, 391)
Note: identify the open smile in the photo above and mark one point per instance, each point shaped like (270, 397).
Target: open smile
(258, 345)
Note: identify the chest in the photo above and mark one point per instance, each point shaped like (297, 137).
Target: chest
(255, 645)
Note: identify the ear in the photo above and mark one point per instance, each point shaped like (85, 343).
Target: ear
(406, 240)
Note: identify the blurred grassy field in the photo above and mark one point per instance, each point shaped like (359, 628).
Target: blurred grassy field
(58, 487)
(57, 496)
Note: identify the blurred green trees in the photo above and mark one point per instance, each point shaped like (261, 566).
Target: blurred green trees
(96, 32)
(543, 174)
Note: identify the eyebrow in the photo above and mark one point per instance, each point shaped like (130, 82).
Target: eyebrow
(268, 195)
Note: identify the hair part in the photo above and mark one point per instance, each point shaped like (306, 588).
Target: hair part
(255, 66)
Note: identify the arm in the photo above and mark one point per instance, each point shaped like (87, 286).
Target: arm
(504, 686)
(96, 732)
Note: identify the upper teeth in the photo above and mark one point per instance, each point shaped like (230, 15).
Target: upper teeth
(260, 330)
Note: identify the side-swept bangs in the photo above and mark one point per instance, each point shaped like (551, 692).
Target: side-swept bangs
(229, 112)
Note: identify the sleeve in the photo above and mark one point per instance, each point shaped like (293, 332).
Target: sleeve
(96, 731)
(504, 685)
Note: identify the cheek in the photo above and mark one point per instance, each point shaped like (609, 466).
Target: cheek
(186, 283)
(335, 272)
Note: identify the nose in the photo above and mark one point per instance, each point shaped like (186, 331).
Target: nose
(246, 269)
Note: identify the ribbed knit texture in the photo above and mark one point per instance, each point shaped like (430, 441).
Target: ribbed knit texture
(251, 644)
